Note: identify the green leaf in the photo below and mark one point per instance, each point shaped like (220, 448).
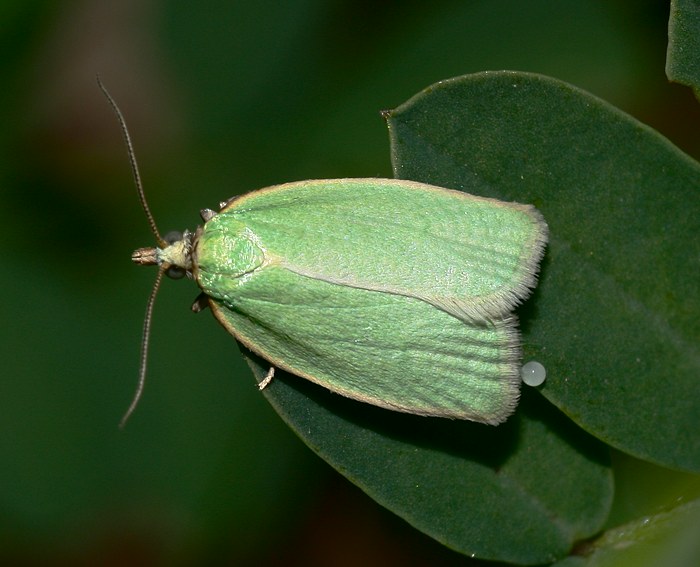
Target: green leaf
(457, 481)
(683, 56)
(615, 319)
(669, 538)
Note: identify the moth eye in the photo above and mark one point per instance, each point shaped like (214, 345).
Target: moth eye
(173, 236)
(175, 272)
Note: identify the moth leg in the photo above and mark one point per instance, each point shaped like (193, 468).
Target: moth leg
(223, 204)
(207, 214)
(268, 378)
(201, 303)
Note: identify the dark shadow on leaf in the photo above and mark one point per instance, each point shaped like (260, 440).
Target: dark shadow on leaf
(536, 407)
(314, 412)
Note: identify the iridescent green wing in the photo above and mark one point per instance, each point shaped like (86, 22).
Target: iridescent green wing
(388, 350)
(473, 257)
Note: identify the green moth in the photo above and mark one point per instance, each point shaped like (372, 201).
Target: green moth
(394, 293)
(391, 292)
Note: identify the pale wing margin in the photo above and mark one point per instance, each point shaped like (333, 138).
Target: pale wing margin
(473, 257)
(388, 350)
(502, 301)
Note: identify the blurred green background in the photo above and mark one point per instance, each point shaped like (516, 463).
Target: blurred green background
(221, 98)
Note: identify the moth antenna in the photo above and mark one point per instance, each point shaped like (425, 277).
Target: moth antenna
(145, 338)
(160, 241)
(134, 166)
